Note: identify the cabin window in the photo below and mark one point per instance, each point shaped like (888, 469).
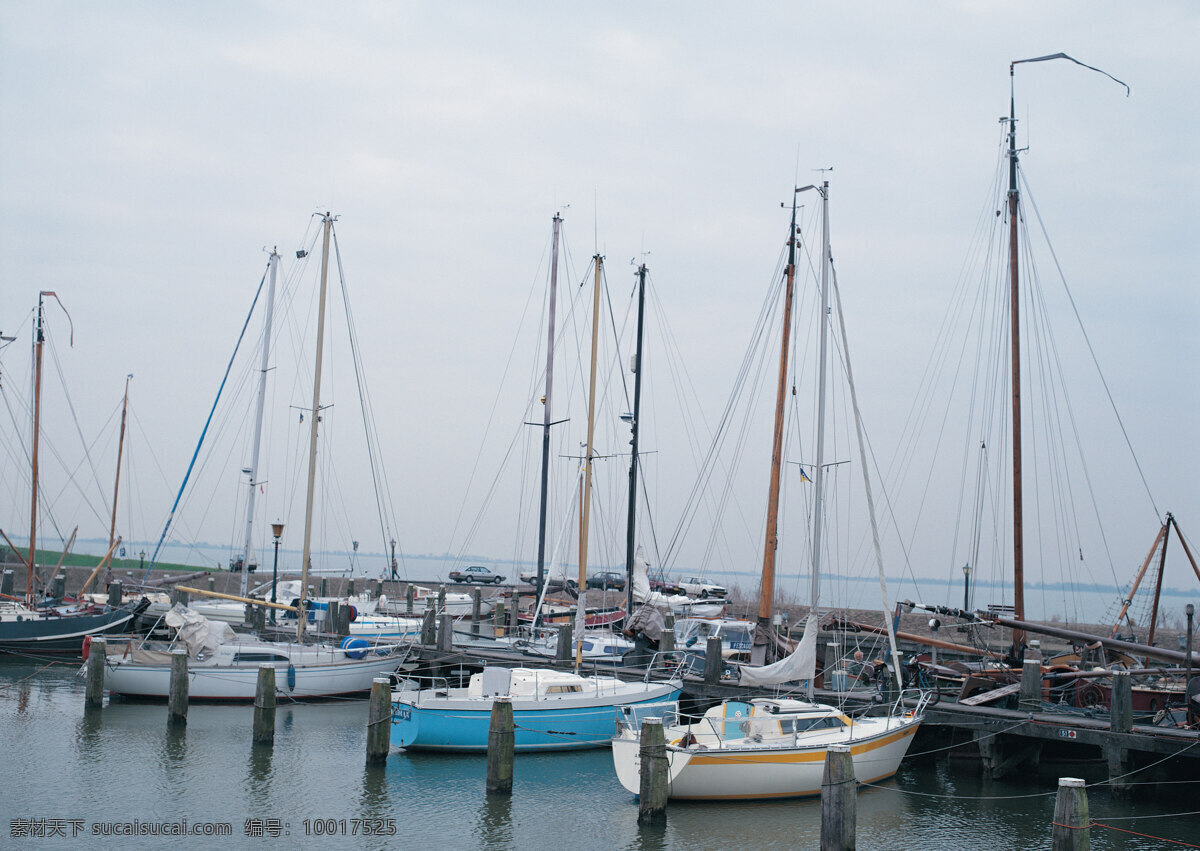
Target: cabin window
(563, 689)
(239, 658)
(806, 725)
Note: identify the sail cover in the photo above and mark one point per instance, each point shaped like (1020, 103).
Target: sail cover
(800, 664)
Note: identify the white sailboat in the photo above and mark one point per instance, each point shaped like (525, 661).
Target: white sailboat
(223, 665)
(773, 747)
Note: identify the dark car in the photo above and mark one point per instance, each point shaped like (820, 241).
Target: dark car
(662, 586)
(607, 579)
(476, 573)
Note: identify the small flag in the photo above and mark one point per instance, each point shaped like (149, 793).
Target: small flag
(804, 477)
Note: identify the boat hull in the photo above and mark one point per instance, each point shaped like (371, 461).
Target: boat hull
(239, 684)
(542, 724)
(731, 773)
(58, 634)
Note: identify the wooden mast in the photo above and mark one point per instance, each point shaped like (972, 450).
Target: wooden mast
(312, 433)
(546, 421)
(112, 529)
(1018, 636)
(767, 590)
(1162, 530)
(39, 339)
(631, 522)
(1162, 563)
(587, 475)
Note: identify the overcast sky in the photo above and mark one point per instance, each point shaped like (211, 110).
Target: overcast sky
(150, 151)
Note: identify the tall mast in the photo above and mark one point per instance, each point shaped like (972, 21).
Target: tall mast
(587, 475)
(631, 523)
(767, 592)
(112, 529)
(1162, 563)
(39, 338)
(312, 433)
(819, 471)
(546, 421)
(1018, 637)
(258, 417)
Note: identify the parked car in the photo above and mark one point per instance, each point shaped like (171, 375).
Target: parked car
(607, 579)
(696, 586)
(476, 573)
(553, 583)
(662, 586)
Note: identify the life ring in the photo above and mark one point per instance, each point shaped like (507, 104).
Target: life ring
(87, 647)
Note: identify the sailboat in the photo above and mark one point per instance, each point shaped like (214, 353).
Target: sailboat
(553, 710)
(34, 625)
(774, 747)
(224, 665)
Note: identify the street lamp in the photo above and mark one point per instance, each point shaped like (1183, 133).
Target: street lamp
(393, 543)
(966, 587)
(277, 531)
(142, 560)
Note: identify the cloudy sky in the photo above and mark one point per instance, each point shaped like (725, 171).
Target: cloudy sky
(150, 151)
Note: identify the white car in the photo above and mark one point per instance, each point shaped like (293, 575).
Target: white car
(695, 586)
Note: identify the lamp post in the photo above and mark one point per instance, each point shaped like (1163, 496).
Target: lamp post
(142, 560)
(966, 587)
(393, 543)
(1189, 610)
(277, 531)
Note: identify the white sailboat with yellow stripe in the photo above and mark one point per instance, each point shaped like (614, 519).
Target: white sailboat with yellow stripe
(776, 747)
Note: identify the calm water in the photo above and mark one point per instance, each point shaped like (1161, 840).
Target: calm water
(122, 764)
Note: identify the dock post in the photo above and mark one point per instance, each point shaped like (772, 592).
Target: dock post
(428, 628)
(333, 612)
(513, 611)
(501, 746)
(563, 654)
(178, 597)
(476, 605)
(666, 643)
(409, 594)
(445, 636)
(498, 619)
(653, 774)
(177, 702)
(95, 674)
(441, 598)
(212, 584)
(1071, 821)
(350, 589)
(324, 586)
(1031, 686)
(6, 584)
(713, 661)
(345, 613)
(58, 588)
(838, 800)
(1121, 705)
(378, 588)
(260, 618)
(379, 721)
(264, 706)
(114, 593)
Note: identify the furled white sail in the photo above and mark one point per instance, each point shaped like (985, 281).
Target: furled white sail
(800, 664)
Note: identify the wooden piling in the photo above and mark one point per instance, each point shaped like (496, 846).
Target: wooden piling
(1031, 686)
(379, 721)
(332, 614)
(58, 588)
(441, 598)
(666, 641)
(324, 586)
(839, 802)
(114, 593)
(653, 773)
(177, 702)
(345, 613)
(501, 746)
(94, 697)
(513, 611)
(264, 706)
(498, 619)
(1071, 820)
(564, 653)
(1121, 705)
(476, 606)
(350, 588)
(180, 598)
(378, 588)
(212, 584)
(713, 661)
(428, 628)
(445, 636)
(410, 594)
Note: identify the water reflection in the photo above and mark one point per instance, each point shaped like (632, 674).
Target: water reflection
(375, 802)
(493, 826)
(174, 749)
(259, 772)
